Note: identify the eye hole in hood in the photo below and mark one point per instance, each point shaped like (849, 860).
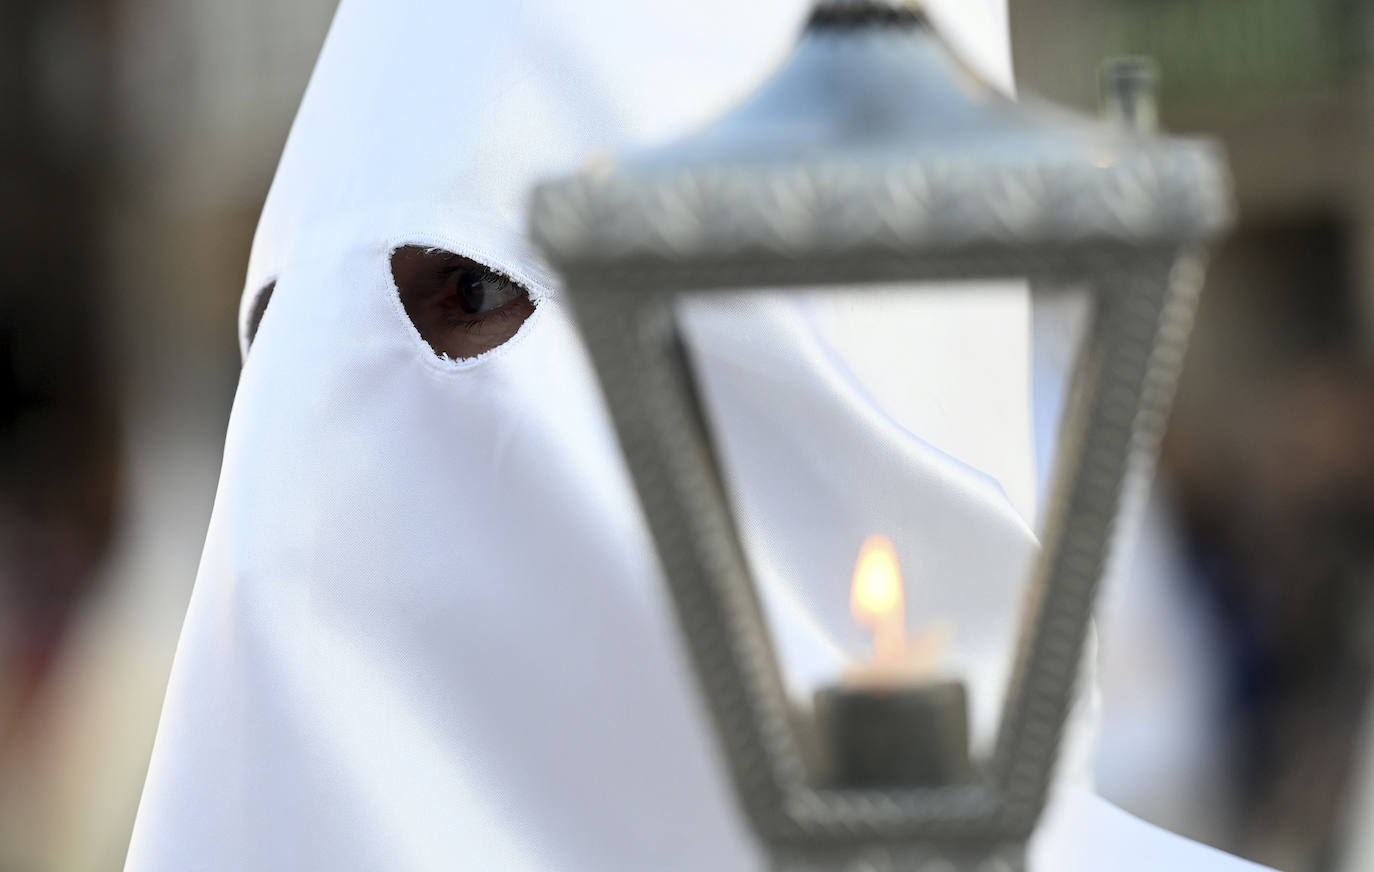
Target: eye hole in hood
(460, 307)
(259, 309)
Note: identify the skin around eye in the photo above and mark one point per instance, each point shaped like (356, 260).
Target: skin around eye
(460, 307)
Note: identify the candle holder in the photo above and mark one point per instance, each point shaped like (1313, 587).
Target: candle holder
(874, 155)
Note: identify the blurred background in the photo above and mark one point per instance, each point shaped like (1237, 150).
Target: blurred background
(137, 140)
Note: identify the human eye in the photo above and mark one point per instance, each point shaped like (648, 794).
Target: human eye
(460, 307)
(477, 290)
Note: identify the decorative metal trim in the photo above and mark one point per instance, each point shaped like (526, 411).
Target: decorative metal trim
(1156, 195)
(1124, 386)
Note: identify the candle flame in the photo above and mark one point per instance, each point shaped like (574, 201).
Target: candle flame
(876, 598)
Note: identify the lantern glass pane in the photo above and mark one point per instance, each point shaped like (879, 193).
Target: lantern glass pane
(857, 431)
(1060, 323)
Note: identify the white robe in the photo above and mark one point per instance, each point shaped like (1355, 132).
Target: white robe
(429, 630)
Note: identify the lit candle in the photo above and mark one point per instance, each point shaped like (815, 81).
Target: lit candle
(893, 721)
(876, 599)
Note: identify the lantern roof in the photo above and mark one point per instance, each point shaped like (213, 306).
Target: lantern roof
(874, 137)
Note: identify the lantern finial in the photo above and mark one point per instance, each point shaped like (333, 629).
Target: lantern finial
(851, 12)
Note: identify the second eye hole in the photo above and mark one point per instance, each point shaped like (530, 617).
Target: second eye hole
(259, 309)
(460, 307)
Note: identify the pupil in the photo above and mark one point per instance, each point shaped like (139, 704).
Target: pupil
(471, 291)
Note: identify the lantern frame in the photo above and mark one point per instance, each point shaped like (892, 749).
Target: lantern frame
(1120, 213)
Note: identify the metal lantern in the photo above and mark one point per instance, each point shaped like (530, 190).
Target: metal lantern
(874, 155)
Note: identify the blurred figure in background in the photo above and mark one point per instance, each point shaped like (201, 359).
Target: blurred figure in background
(1273, 470)
(59, 441)
(1268, 474)
(137, 141)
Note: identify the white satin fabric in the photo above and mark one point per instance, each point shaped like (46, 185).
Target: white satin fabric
(429, 631)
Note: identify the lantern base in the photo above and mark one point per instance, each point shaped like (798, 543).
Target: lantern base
(904, 858)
